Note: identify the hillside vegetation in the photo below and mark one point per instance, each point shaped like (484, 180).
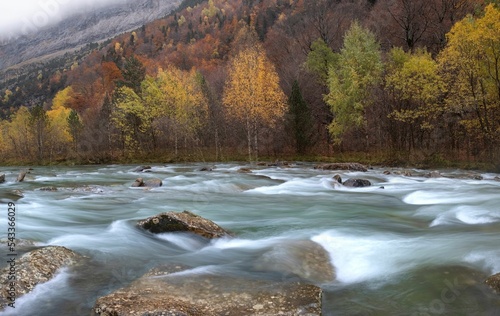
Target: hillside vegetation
(405, 81)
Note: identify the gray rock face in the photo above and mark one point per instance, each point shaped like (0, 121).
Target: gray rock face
(183, 222)
(357, 183)
(86, 26)
(352, 166)
(34, 267)
(158, 293)
(303, 258)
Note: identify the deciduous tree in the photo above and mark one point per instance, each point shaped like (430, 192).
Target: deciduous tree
(253, 94)
(358, 70)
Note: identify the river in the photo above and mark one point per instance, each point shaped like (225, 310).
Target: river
(408, 245)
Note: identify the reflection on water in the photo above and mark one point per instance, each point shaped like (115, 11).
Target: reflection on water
(417, 246)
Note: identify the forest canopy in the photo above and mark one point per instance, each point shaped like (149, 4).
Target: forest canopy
(233, 79)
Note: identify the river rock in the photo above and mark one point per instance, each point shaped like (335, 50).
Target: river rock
(337, 178)
(352, 166)
(149, 183)
(357, 183)
(21, 176)
(207, 169)
(141, 168)
(183, 222)
(186, 294)
(303, 258)
(494, 282)
(35, 267)
(49, 189)
(244, 170)
(2, 178)
(433, 174)
(153, 183)
(139, 182)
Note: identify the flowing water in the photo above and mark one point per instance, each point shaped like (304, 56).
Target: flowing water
(417, 246)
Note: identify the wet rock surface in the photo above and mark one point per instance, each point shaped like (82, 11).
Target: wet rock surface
(163, 293)
(34, 267)
(494, 282)
(148, 183)
(183, 222)
(357, 183)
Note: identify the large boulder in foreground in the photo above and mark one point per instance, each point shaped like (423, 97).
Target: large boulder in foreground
(183, 222)
(32, 268)
(185, 294)
(494, 282)
(302, 258)
(351, 166)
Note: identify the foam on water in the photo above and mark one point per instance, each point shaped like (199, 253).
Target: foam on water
(183, 241)
(421, 197)
(297, 186)
(467, 214)
(380, 257)
(488, 260)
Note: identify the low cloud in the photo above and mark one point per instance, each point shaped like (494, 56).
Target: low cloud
(23, 17)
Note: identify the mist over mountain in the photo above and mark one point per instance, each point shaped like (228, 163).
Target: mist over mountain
(89, 25)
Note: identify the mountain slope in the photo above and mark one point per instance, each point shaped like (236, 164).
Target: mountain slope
(83, 28)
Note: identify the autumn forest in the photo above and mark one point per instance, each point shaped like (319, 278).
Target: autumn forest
(385, 81)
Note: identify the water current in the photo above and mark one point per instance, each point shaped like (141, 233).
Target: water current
(407, 245)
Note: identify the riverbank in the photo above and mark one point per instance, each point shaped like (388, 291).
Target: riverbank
(382, 159)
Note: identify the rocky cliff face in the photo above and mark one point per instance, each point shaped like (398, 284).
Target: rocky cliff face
(82, 28)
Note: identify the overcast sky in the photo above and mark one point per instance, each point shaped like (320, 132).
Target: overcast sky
(22, 16)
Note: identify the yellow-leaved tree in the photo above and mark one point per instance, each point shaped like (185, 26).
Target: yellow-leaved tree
(415, 86)
(18, 134)
(253, 94)
(184, 102)
(58, 134)
(471, 62)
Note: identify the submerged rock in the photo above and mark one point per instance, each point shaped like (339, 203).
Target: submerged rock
(494, 282)
(357, 183)
(207, 169)
(183, 222)
(186, 294)
(34, 267)
(433, 174)
(49, 189)
(2, 178)
(352, 166)
(303, 258)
